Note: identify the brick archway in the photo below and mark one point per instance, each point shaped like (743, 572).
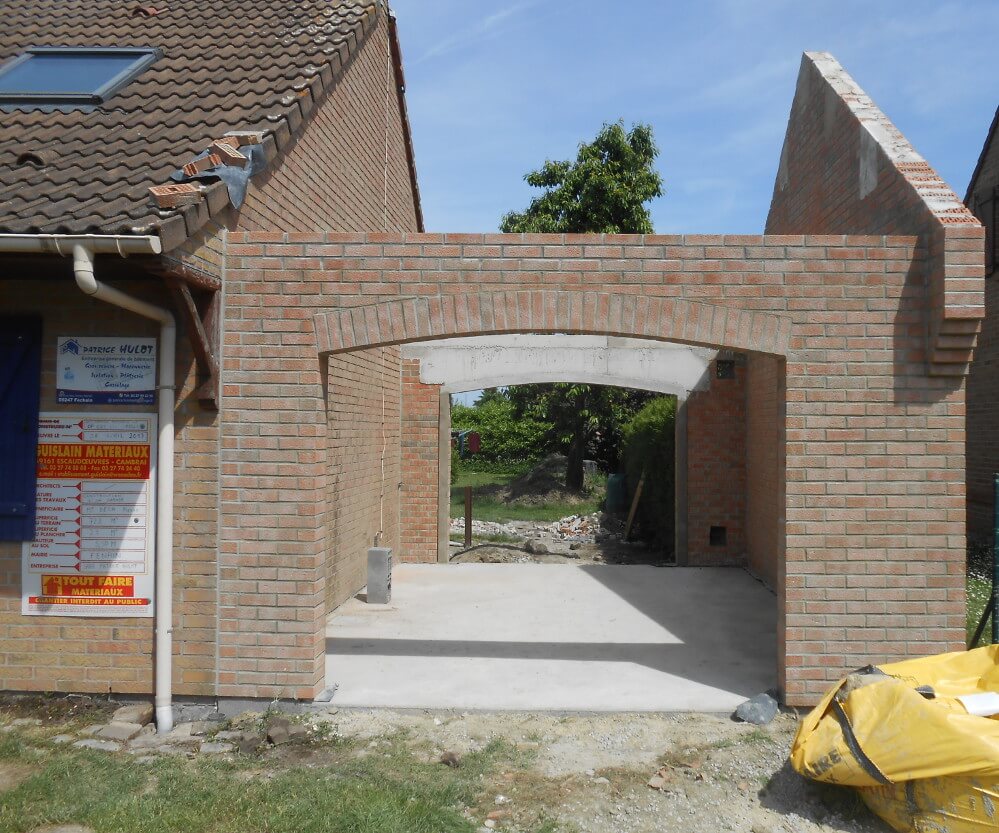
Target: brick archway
(577, 312)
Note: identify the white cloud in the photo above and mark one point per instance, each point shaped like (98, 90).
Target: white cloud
(482, 30)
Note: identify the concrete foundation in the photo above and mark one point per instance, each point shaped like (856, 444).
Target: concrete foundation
(556, 637)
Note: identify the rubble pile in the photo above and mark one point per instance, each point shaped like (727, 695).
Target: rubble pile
(576, 528)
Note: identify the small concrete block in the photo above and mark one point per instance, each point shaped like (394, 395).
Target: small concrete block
(202, 727)
(379, 575)
(143, 741)
(536, 548)
(91, 730)
(62, 739)
(141, 713)
(119, 731)
(229, 734)
(103, 745)
(326, 695)
(760, 710)
(213, 748)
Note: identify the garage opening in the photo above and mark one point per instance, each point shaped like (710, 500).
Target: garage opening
(694, 627)
(562, 473)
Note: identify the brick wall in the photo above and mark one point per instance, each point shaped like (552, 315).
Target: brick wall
(874, 502)
(53, 653)
(311, 554)
(420, 466)
(716, 470)
(983, 380)
(334, 177)
(363, 465)
(764, 462)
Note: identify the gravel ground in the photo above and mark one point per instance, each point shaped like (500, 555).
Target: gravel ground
(593, 770)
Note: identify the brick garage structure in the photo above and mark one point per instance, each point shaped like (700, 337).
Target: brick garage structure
(856, 313)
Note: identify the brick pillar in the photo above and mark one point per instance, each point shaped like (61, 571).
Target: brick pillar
(420, 428)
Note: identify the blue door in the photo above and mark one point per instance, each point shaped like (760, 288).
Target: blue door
(20, 386)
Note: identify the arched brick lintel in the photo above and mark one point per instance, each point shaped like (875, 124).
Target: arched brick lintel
(575, 312)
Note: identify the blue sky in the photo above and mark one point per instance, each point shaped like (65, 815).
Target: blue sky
(494, 88)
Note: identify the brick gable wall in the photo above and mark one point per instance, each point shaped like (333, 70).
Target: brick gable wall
(846, 169)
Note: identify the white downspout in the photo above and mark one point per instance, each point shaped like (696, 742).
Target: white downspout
(83, 269)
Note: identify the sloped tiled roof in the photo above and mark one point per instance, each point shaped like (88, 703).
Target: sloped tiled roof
(227, 65)
(986, 149)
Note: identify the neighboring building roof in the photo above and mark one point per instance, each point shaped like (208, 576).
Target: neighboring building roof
(227, 65)
(981, 159)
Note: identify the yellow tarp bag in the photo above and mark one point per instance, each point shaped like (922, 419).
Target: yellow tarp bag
(922, 760)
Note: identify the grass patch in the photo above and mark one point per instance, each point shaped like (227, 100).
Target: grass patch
(339, 789)
(488, 505)
(979, 590)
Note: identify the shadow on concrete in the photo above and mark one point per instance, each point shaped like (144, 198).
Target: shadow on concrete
(688, 662)
(721, 625)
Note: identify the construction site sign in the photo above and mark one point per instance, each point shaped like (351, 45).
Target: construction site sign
(105, 371)
(95, 521)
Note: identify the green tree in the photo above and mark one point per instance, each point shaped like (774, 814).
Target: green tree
(605, 190)
(585, 421)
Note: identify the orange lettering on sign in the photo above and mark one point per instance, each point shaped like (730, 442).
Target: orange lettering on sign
(110, 587)
(93, 461)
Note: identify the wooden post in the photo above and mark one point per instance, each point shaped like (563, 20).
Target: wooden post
(468, 517)
(634, 506)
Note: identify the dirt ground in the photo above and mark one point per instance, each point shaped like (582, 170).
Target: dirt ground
(548, 773)
(590, 773)
(612, 551)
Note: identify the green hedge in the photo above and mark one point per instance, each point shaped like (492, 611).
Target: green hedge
(649, 444)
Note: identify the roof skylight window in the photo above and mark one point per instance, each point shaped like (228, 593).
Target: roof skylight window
(70, 75)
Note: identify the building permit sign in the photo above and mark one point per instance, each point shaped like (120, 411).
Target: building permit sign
(105, 371)
(94, 523)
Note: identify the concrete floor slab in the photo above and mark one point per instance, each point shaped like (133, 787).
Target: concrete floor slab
(556, 637)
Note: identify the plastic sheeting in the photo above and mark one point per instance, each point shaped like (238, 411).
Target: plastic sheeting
(904, 735)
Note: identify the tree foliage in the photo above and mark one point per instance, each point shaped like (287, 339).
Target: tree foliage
(506, 437)
(586, 421)
(604, 190)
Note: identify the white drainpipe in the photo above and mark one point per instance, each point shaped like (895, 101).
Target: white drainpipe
(83, 248)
